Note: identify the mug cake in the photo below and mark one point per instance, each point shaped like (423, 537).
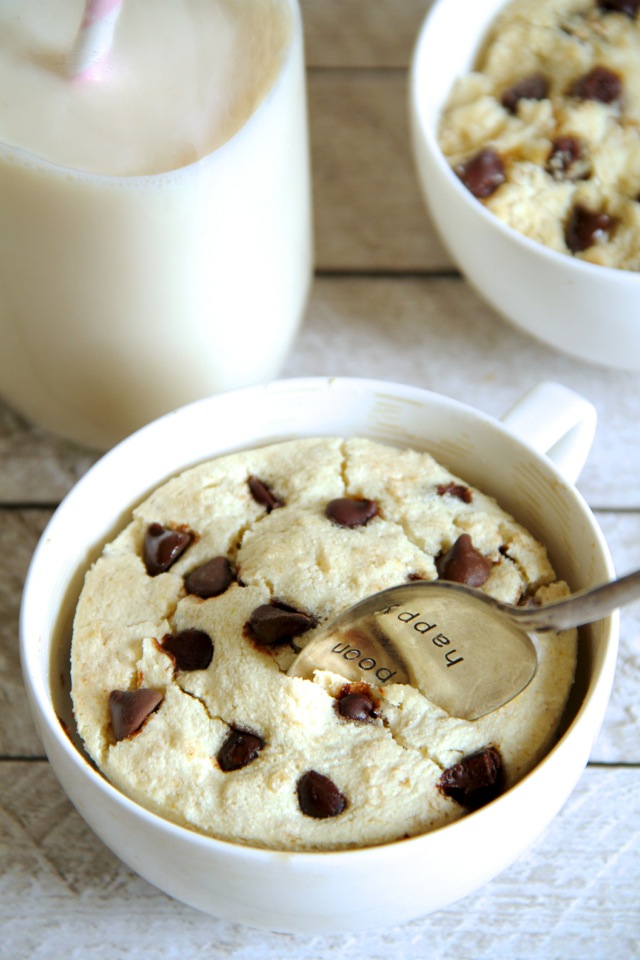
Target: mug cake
(191, 617)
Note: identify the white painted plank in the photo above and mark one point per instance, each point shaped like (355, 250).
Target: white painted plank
(572, 896)
(434, 333)
(19, 533)
(360, 33)
(367, 206)
(36, 467)
(620, 734)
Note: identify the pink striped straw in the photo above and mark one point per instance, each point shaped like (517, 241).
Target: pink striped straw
(90, 54)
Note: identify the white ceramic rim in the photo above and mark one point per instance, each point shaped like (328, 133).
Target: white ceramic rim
(418, 97)
(40, 697)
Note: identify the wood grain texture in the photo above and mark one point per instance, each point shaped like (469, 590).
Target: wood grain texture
(432, 332)
(359, 33)
(619, 738)
(62, 893)
(36, 467)
(436, 333)
(20, 531)
(368, 211)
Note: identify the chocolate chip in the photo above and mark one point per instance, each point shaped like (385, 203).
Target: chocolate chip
(463, 563)
(601, 84)
(476, 780)
(190, 649)
(482, 173)
(162, 547)
(351, 511)
(568, 159)
(534, 87)
(357, 705)
(274, 623)
(629, 7)
(263, 495)
(211, 579)
(128, 709)
(526, 600)
(586, 227)
(238, 750)
(319, 797)
(455, 490)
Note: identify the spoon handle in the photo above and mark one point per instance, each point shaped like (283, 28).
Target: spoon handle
(583, 607)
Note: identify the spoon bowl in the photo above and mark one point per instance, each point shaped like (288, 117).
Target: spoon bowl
(467, 652)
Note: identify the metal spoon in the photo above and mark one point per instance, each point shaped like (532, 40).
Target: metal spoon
(467, 652)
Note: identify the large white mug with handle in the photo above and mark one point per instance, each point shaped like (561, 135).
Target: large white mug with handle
(356, 889)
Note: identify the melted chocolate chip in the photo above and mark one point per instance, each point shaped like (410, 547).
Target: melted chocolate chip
(263, 495)
(357, 705)
(568, 160)
(211, 579)
(601, 84)
(162, 547)
(482, 173)
(351, 511)
(629, 7)
(464, 564)
(455, 490)
(190, 649)
(319, 797)
(128, 709)
(476, 780)
(274, 623)
(238, 750)
(526, 600)
(534, 87)
(586, 227)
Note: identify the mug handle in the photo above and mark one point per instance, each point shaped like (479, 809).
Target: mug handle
(556, 421)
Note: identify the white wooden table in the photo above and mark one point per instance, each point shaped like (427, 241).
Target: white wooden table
(388, 304)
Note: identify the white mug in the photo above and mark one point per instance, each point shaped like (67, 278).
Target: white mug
(358, 889)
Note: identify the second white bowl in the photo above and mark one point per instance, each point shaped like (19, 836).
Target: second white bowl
(588, 311)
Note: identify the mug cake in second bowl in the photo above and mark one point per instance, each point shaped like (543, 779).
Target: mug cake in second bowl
(545, 130)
